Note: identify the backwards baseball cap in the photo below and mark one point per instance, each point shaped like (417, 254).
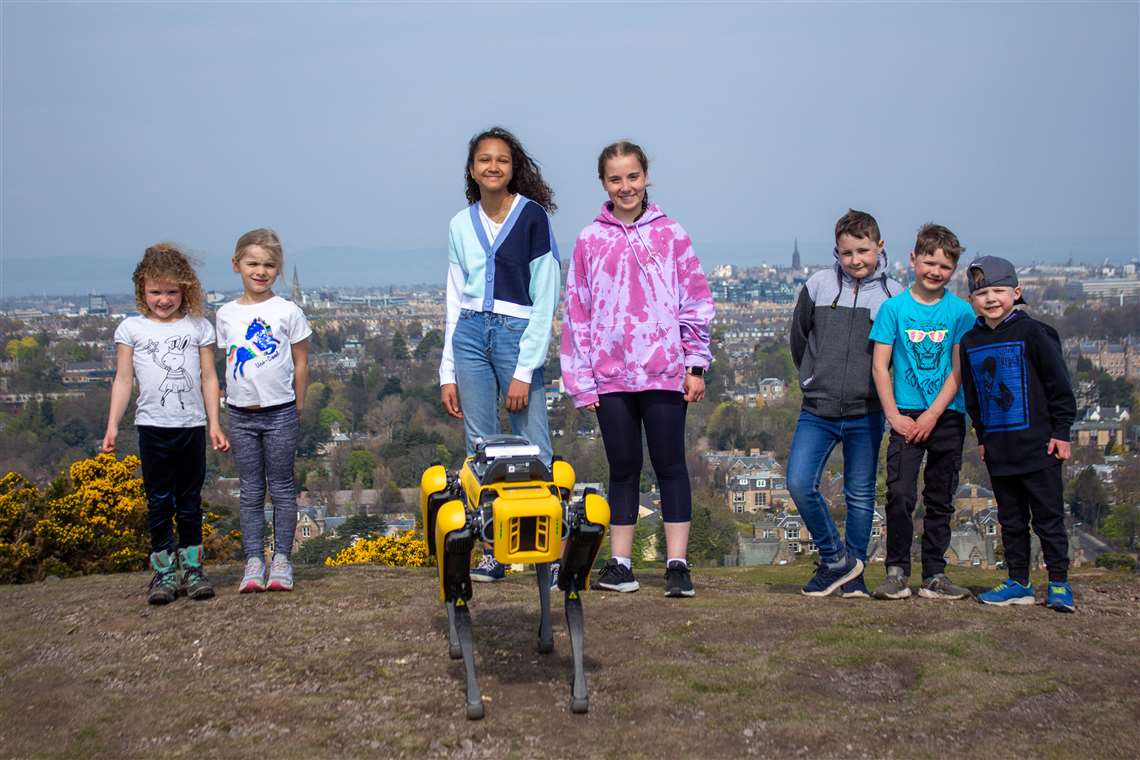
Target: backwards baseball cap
(995, 272)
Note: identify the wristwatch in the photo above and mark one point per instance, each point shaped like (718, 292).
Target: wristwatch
(697, 371)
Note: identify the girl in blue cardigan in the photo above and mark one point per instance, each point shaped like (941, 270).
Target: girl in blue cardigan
(502, 288)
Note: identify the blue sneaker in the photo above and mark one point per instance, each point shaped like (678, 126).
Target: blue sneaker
(855, 588)
(829, 577)
(488, 570)
(1008, 592)
(1060, 597)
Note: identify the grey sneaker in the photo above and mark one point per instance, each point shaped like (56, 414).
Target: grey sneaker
(938, 586)
(253, 580)
(280, 573)
(894, 586)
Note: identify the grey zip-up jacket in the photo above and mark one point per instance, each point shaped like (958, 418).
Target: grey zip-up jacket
(831, 339)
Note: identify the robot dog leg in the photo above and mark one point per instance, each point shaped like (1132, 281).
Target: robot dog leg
(587, 523)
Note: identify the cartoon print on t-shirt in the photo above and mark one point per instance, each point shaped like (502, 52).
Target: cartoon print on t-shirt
(177, 379)
(260, 345)
(928, 343)
(999, 374)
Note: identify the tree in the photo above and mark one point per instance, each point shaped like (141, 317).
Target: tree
(429, 344)
(359, 465)
(1088, 499)
(1122, 523)
(399, 346)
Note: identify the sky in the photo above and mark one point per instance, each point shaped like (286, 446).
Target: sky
(344, 126)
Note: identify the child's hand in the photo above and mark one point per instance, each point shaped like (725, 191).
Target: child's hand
(903, 425)
(518, 394)
(923, 426)
(218, 440)
(982, 452)
(449, 397)
(1060, 449)
(109, 441)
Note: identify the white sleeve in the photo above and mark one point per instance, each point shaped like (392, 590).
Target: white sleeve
(455, 281)
(123, 333)
(206, 334)
(299, 328)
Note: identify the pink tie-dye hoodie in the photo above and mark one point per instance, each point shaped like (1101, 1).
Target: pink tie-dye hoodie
(638, 308)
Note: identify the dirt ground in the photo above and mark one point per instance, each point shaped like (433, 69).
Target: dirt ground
(354, 664)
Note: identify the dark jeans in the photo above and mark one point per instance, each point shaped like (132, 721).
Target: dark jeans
(173, 470)
(943, 452)
(1036, 496)
(621, 417)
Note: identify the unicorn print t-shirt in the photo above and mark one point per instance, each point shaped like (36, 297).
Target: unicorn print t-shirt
(923, 336)
(257, 339)
(167, 368)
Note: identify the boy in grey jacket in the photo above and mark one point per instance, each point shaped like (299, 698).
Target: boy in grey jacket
(831, 346)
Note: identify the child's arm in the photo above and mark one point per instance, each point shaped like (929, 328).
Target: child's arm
(970, 394)
(1050, 366)
(211, 397)
(120, 393)
(800, 328)
(926, 421)
(881, 373)
(300, 372)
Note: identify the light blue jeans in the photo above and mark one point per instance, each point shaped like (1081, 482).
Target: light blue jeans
(813, 442)
(486, 350)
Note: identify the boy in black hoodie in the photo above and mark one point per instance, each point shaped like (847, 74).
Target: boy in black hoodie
(1021, 402)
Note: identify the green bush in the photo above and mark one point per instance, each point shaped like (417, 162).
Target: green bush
(1116, 561)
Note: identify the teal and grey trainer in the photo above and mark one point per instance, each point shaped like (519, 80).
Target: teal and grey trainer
(894, 586)
(280, 573)
(193, 581)
(938, 586)
(164, 585)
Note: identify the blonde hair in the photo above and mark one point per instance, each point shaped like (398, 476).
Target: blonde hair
(264, 238)
(164, 261)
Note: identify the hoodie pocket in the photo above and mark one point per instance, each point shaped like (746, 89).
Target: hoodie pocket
(640, 350)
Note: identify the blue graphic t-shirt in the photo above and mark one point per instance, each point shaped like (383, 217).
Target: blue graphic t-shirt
(923, 337)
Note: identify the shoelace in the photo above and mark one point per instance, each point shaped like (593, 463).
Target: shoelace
(487, 563)
(194, 573)
(254, 569)
(279, 567)
(162, 579)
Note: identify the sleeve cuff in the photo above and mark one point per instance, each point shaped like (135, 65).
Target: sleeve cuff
(447, 377)
(696, 361)
(585, 399)
(523, 374)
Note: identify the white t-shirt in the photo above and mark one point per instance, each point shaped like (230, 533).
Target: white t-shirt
(257, 339)
(168, 368)
(490, 226)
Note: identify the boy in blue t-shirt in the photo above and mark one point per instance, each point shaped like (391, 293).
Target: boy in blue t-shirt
(918, 377)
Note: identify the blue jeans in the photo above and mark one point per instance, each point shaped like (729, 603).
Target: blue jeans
(814, 440)
(486, 350)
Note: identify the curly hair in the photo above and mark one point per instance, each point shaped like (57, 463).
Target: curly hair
(165, 261)
(525, 175)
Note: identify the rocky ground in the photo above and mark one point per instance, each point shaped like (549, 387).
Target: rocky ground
(354, 664)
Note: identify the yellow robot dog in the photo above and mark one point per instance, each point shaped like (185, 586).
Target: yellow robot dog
(505, 495)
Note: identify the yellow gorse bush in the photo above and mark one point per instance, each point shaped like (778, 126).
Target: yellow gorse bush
(406, 550)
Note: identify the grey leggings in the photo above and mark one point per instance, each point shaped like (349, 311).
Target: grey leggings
(264, 443)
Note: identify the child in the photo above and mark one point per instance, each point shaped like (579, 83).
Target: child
(266, 340)
(168, 348)
(502, 288)
(635, 345)
(831, 346)
(1022, 406)
(920, 390)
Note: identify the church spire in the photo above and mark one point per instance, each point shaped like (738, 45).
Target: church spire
(796, 253)
(296, 294)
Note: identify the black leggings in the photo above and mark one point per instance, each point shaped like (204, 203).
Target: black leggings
(173, 470)
(620, 417)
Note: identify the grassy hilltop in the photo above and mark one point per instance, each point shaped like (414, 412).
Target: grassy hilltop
(355, 664)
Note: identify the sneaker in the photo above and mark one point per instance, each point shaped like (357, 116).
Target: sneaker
(1008, 592)
(280, 573)
(555, 566)
(1060, 597)
(894, 586)
(615, 576)
(678, 582)
(163, 587)
(938, 586)
(856, 588)
(254, 578)
(488, 570)
(829, 577)
(193, 580)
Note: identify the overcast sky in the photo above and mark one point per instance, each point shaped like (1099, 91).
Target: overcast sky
(344, 126)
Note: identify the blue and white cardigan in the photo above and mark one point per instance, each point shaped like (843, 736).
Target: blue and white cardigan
(519, 275)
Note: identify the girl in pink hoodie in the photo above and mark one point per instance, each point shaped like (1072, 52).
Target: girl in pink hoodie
(635, 345)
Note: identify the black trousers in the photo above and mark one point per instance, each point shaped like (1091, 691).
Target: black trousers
(620, 418)
(173, 469)
(943, 453)
(1035, 498)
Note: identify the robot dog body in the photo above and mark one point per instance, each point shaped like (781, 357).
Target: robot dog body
(505, 495)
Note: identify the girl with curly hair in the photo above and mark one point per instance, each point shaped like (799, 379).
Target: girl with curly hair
(502, 288)
(169, 349)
